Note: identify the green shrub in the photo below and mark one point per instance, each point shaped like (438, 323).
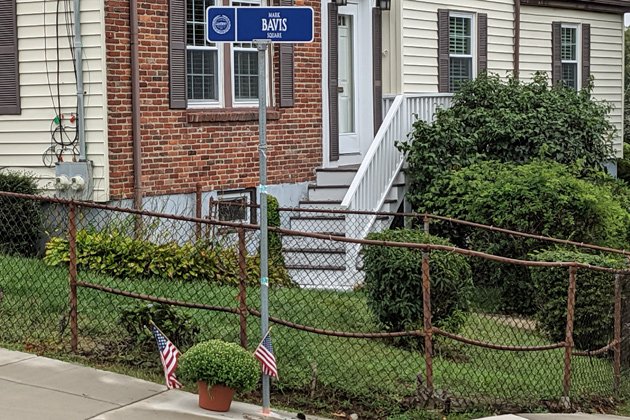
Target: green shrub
(623, 165)
(276, 256)
(20, 219)
(114, 253)
(393, 282)
(508, 121)
(540, 197)
(180, 328)
(594, 298)
(219, 363)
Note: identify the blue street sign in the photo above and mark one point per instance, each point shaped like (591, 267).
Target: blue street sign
(246, 24)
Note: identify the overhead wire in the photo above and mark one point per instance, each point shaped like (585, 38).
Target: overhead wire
(63, 137)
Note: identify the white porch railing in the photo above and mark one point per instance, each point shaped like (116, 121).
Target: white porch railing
(383, 161)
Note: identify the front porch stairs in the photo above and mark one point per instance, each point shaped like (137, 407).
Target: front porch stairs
(322, 264)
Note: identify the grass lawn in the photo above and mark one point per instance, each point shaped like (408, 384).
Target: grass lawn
(318, 373)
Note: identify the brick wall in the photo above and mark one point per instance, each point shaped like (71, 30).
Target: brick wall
(181, 148)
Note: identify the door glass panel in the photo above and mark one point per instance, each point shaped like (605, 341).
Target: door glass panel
(346, 79)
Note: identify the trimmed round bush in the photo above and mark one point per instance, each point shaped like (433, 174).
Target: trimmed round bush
(217, 362)
(541, 197)
(393, 282)
(594, 298)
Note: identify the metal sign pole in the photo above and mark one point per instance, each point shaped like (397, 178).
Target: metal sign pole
(262, 45)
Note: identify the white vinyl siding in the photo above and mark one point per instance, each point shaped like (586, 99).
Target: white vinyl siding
(418, 45)
(606, 52)
(24, 138)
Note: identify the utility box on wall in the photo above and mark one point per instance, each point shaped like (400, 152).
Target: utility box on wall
(73, 180)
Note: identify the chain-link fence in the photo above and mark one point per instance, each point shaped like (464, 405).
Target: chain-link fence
(375, 326)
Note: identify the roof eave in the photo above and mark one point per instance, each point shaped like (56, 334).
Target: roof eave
(602, 6)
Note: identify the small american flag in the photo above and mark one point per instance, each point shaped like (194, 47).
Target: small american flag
(169, 356)
(264, 353)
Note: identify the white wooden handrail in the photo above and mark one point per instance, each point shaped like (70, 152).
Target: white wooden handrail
(383, 161)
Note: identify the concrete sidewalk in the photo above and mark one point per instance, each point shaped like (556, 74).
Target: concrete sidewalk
(36, 388)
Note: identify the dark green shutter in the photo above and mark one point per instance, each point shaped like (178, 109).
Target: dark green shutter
(9, 67)
(177, 54)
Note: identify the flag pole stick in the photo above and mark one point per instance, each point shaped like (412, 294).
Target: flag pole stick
(158, 328)
(263, 339)
(161, 357)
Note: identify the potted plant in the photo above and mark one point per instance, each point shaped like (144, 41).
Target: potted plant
(220, 369)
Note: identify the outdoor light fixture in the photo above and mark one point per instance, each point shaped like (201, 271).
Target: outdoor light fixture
(384, 4)
(341, 2)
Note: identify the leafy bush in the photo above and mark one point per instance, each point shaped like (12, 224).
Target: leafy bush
(276, 256)
(20, 219)
(623, 165)
(510, 121)
(393, 282)
(540, 197)
(114, 253)
(594, 298)
(219, 363)
(180, 328)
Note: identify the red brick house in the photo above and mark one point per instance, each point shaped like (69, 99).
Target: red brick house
(190, 109)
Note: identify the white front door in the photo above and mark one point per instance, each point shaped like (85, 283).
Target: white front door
(347, 27)
(354, 91)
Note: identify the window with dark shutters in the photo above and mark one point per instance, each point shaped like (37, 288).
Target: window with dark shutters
(458, 60)
(571, 54)
(9, 68)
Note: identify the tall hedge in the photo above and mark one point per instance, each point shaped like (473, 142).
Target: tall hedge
(508, 121)
(594, 298)
(393, 282)
(543, 198)
(20, 219)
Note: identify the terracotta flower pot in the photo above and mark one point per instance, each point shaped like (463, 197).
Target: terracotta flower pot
(217, 398)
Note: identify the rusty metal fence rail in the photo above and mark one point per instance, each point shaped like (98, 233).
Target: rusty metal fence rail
(82, 279)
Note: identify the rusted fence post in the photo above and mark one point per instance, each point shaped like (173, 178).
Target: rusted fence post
(72, 244)
(242, 287)
(617, 333)
(198, 212)
(568, 349)
(428, 327)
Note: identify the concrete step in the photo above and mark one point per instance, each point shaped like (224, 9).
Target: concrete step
(396, 192)
(321, 204)
(313, 222)
(335, 176)
(329, 258)
(389, 205)
(291, 241)
(400, 178)
(324, 279)
(327, 192)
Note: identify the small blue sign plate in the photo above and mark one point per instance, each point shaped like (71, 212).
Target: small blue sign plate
(246, 24)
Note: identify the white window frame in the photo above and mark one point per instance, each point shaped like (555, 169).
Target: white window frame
(221, 76)
(473, 41)
(578, 51)
(201, 103)
(248, 103)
